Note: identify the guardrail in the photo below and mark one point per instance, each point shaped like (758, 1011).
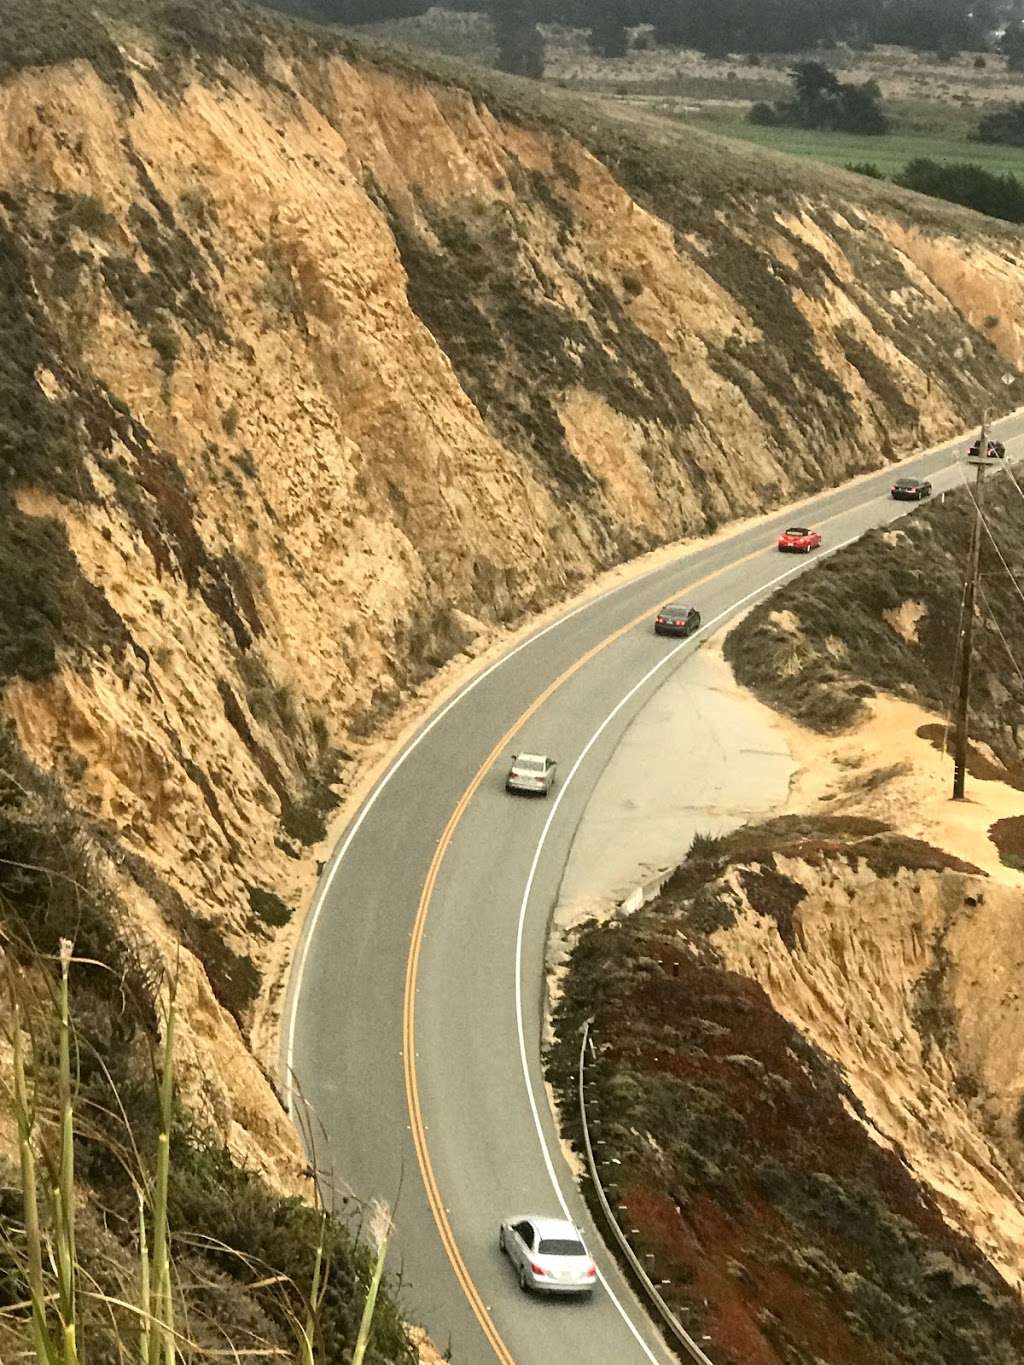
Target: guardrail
(678, 1331)
(644, 893)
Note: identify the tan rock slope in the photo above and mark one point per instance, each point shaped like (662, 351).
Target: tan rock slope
(805, 1047)
(318, 368)
(909, 982)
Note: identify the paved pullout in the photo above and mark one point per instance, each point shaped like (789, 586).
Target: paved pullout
(486, 1127)
(699, 758)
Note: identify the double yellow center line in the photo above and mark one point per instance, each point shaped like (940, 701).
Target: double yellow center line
(412, 1095)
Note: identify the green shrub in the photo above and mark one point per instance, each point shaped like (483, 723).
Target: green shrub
(268, 907)
(762, 114)
(963, 182)
(164, 340)
(867, 168)
(1005, 126)
(51, 32)
(86, 212)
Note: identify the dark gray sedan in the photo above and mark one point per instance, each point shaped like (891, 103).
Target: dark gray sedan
(677, 619)
(911, 490)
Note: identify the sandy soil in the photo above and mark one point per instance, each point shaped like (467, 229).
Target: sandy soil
(883, 769)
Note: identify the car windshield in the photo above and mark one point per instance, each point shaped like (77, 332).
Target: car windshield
(530, 763)
(797, 531)
(561, 1246)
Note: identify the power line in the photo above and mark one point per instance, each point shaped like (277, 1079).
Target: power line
(1016, 485)
(963, 704)
(991, 535)
(972, 587)
(956, 667)
(999, 631)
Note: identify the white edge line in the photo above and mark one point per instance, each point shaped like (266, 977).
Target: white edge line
(527, 890)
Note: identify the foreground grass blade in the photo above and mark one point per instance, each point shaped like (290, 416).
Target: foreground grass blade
(380, 1231)
(161, 1346)
(145, 1298)
(64, 1222)
(45, 1352)
(307, 1335)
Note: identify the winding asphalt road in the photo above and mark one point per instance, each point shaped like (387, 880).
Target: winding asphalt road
(414, 1011)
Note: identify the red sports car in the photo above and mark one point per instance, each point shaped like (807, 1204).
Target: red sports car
(800, 540)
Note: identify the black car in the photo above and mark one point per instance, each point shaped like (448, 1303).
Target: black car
(911, 490)
(677, 620)
(994, 450)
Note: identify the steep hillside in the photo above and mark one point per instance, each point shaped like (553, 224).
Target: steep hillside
(805, 1094)
(318, 367)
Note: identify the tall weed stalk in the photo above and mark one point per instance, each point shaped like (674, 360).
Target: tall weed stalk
(380, 1233)
(48, 1259)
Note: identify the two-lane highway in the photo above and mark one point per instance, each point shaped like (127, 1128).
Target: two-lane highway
(414, 1013)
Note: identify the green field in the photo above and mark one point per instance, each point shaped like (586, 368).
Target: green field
(889, 153)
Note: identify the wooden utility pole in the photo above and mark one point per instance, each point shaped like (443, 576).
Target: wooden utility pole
(967, 629)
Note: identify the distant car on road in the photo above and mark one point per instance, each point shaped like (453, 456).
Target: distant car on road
(911, 490)
(547, 1255)
(799, 540)
(532, 774)
(677, 619)
(994, 450)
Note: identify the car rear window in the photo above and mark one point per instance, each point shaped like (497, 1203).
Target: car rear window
(675, 611)
(530, 765)
(797, 531)
(559, 1246)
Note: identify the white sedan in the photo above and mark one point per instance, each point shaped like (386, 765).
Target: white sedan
(533, 774)
(548, 1255)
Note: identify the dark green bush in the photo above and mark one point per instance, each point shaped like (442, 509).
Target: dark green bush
(964, 182)
(867, 168)
(1004, 126)
(268, 907)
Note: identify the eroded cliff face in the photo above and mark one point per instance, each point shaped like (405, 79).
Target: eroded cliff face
(804, 1049)
(908, 981)
(315, 374)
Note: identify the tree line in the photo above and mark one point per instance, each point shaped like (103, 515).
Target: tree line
(714, 27)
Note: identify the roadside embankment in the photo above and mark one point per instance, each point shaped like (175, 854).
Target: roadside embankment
(793, 1078)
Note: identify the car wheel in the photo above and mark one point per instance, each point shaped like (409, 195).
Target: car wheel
(501, 1240)
(807, 549)
(523, 1283)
